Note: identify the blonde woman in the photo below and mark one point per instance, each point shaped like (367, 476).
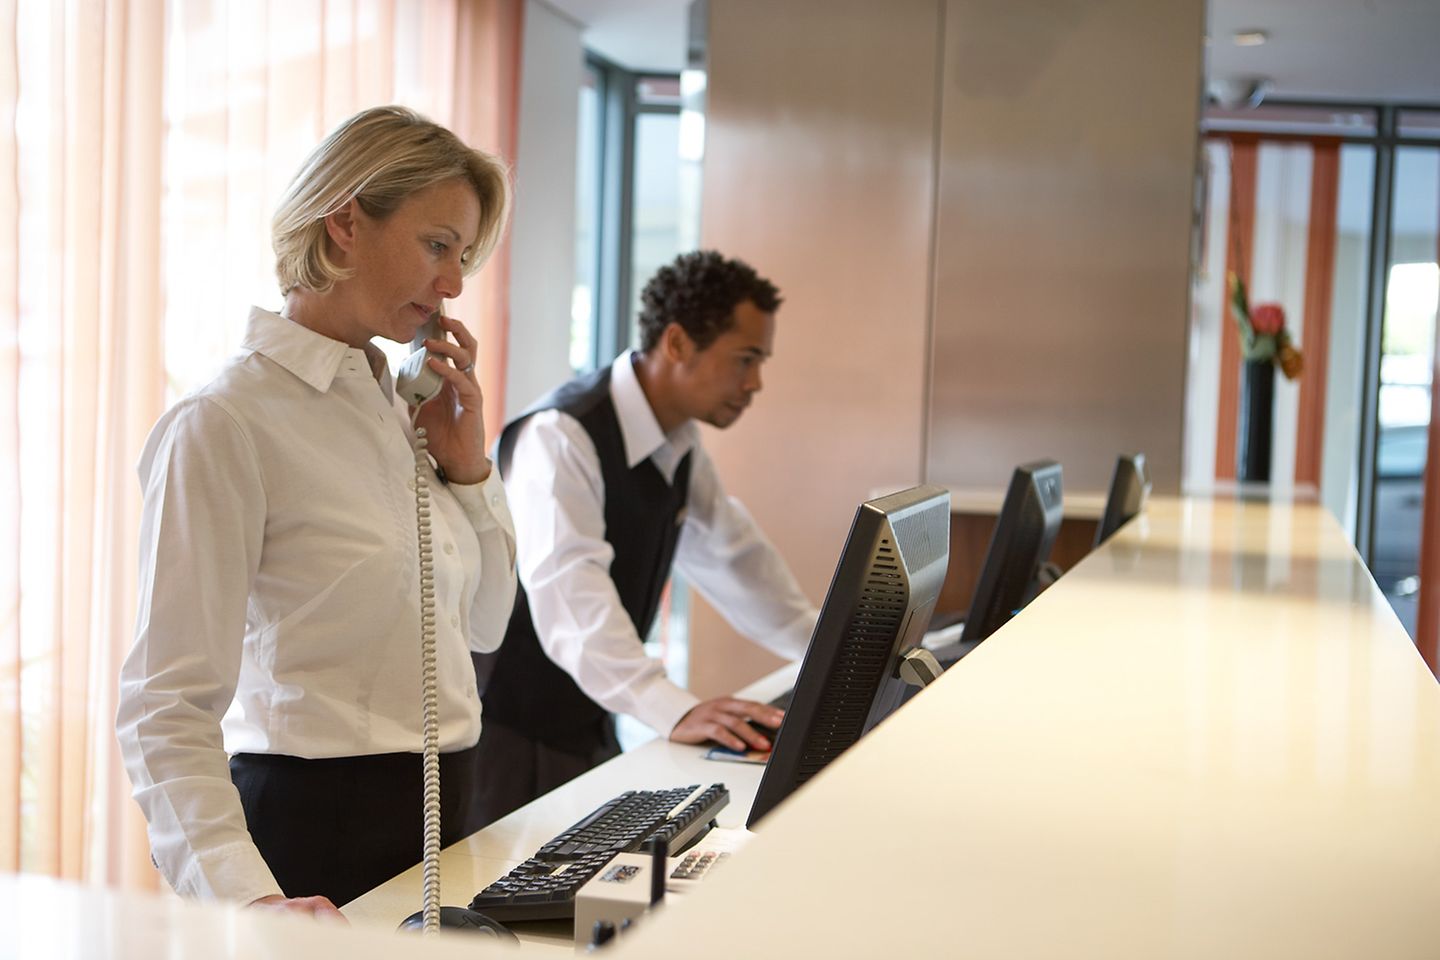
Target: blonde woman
(270, 709)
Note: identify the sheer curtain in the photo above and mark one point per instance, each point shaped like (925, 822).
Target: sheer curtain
(142, 148)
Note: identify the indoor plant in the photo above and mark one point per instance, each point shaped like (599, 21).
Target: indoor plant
(1265, 344)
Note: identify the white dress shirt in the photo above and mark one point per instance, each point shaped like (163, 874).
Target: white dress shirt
(558, 500)
(280, 595)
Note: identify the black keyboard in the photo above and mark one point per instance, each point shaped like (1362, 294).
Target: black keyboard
(544, 887)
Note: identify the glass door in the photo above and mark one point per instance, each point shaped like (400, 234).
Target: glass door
(1407, 358)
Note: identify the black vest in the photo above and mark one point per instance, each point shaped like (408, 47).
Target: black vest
(525, 690)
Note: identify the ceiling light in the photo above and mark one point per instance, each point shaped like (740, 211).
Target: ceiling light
(1239, 92)
(1250, 38)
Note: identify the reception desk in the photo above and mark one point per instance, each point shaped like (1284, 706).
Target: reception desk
(1211, 738)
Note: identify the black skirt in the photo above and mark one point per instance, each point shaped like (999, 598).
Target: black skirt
(341, 827)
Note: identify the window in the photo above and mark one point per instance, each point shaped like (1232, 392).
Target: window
(1382, 291)
(1407, 355)
(637, 207)
(587, 224)
(654, 218)
(637, 200)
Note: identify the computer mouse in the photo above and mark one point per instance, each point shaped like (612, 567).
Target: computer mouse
(769, 733)
(463, 918)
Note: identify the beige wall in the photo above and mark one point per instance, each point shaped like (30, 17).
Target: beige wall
(542, 231)
(1039, 273)
(819, 172)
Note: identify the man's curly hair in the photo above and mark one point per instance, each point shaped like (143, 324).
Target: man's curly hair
(700, 291)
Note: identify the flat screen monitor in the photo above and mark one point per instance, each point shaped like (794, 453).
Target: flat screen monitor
(878, 606)
(1029, 522)
(1129, 489)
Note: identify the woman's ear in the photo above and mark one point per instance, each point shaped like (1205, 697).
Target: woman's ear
(340, 226)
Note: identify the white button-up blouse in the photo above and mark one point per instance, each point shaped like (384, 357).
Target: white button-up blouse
(280, 592)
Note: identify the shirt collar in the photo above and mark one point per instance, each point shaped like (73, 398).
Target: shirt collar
(638, 426)
(310, 356)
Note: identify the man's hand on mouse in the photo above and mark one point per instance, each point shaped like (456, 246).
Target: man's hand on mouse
(320, 907)
(723, 720)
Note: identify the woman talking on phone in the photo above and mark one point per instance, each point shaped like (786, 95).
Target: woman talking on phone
(270, 709)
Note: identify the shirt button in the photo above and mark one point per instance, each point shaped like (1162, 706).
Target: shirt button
(454, 621)
(495, 500)
(449, 548)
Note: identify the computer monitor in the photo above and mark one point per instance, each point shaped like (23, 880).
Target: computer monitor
(1128, 490)
(1029, 522)
(876, 611)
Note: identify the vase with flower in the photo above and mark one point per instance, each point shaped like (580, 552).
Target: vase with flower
(1265, 344)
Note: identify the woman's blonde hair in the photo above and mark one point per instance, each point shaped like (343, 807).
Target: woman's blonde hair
(379, 157)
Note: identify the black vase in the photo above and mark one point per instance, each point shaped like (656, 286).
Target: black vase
(1257, 421)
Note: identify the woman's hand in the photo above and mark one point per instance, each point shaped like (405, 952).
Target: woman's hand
(454, 421)
(313, 906)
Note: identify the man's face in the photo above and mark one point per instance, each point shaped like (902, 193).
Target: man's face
(716, 384)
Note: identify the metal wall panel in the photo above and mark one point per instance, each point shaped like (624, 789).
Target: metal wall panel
(1068, 149)
(979, 214)
(819, 172)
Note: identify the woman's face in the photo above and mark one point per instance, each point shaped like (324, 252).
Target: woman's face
(408, 262)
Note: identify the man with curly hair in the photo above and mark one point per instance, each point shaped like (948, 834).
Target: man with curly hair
(609, 487)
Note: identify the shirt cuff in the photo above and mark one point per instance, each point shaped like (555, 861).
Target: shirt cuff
(484, 503)
(664, 705)
(235, 872)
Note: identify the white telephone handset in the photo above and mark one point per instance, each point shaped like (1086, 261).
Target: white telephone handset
(415, 381)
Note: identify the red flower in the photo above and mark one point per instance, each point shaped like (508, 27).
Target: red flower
(1268, 319)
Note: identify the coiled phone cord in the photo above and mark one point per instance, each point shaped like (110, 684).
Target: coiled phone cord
(429, 691)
